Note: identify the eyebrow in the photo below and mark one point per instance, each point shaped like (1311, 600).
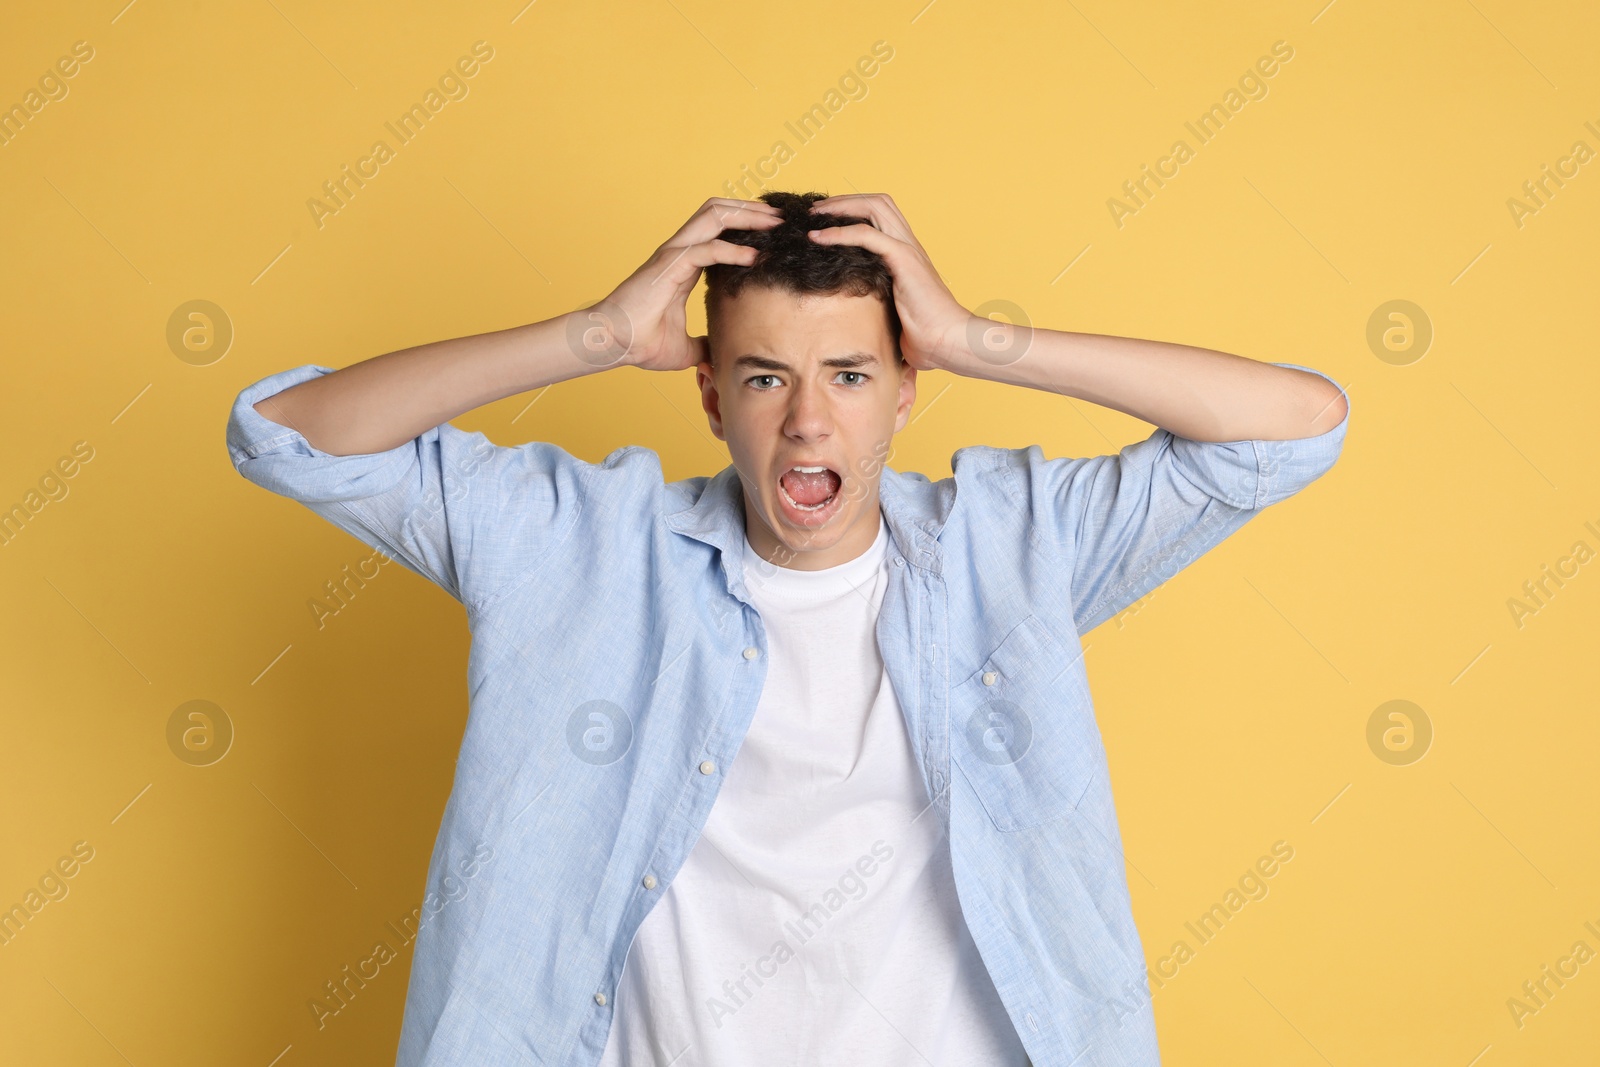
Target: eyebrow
(848, 361)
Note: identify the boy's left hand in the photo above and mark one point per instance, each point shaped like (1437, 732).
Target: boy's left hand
(934, 326)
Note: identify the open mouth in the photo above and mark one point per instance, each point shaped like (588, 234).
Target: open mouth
(809, 489)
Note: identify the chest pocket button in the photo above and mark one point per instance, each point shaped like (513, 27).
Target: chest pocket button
(1023, 730)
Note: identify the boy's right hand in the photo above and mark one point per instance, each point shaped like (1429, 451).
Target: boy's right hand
(642, 322)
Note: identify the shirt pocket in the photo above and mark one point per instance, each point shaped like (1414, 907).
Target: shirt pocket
(1023, 730)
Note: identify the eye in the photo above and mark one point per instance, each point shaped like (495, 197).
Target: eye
(858, 374)
(759, 377)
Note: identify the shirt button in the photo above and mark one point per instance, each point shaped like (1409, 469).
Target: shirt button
(898, 562)
(649, 881)
(600, 999)
(752, 652)
(988, 677)
(707, 767)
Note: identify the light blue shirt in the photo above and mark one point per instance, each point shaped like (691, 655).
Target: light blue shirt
(617, 661)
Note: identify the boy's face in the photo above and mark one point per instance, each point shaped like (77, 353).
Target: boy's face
(807, 381)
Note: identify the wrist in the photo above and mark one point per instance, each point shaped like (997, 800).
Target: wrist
(601, 335)
(955, 350)
(983, 345)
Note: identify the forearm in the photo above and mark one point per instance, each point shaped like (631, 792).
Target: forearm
(381, 403)
(1194, 393)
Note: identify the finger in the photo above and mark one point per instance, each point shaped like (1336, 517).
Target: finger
(847, 201)
(732, 215)
(739, 203)
(846, 204)
(726, 209)
(723, 213)
(835, 199)
(721, 206)
(860, 233)
(877, 207)
(683, 267)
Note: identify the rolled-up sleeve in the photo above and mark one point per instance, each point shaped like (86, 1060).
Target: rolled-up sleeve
(454, 507)
(1131, 521)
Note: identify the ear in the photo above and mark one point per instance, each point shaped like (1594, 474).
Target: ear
(710, 398)
(907, 398)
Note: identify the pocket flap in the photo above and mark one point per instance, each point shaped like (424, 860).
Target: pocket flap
(1023, 730)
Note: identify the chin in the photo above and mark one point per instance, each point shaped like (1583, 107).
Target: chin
(813, 530)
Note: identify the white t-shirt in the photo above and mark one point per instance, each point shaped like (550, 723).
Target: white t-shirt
(815, 921)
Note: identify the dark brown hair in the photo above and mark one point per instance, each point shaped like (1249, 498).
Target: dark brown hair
(790, 261)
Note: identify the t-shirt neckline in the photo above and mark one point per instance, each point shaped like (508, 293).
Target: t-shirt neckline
(764, 578)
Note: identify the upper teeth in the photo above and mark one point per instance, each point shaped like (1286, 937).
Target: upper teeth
(810, 470)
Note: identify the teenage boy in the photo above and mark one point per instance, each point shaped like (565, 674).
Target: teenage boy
(796, 763)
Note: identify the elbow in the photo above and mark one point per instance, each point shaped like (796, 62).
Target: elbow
(1330, 409)
(331, 440)
(270, 409)
(1313, 405)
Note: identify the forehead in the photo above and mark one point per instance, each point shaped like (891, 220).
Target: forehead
(774, 322)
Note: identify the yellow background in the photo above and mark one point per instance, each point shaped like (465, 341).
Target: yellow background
(1234, 702)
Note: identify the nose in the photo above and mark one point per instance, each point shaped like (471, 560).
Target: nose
(810, 417)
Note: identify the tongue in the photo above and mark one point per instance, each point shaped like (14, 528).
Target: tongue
(810, 489)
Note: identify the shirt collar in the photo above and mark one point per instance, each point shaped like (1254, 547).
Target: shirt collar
(914, 508)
